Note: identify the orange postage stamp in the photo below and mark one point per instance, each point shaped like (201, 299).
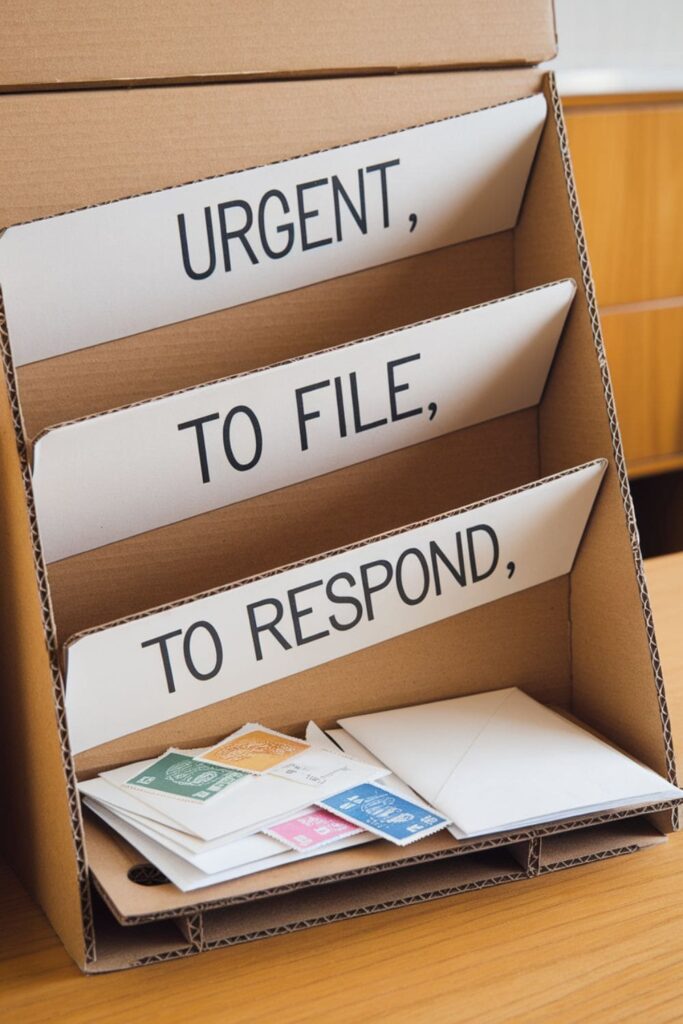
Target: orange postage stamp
(254, 748)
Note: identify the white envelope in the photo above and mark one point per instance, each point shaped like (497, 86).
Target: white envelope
(500, 760)
(218, 854)
(353, 748)
(187, 877)
(263, 799)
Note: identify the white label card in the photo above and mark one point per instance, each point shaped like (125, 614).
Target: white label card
(113, 270)
(107, 477)
(126, 677)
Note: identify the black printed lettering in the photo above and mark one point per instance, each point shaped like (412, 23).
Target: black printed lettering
(302, 415)
(298, 613)
(198, 275)
(370, 589)
(217, 650)
(359, 213)
(286, 229)
(437, 555)
(382, 171)
(477, 576)
(417, 555)
(336, 598)
(358, 424)
(242, 410)
(266, 627)
(240, 232)
(306, 215)
(162, 641)
(198, 425)
(395, 388)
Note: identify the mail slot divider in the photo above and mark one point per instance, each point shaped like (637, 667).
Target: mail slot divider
(359, 895)
(597, 842)
(192, 928)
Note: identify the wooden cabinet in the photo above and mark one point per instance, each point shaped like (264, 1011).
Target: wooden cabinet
(645, 355)
(628, 160)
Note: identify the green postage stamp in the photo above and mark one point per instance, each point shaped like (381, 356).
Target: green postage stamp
(179, 775)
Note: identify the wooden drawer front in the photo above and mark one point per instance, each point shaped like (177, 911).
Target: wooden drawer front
(645, 354)
(629, 167)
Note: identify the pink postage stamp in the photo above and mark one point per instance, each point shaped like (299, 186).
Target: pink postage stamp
(312, 828)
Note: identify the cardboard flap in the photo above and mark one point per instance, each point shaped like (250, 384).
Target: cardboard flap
(105, 478)
(132, 674)
(210, 245)
(81, 42)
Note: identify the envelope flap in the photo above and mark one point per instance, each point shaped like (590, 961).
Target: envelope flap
(424, 744)
(528, 762)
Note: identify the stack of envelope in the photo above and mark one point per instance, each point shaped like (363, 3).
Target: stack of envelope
(500, 761)
(256, 800)
(482, 764)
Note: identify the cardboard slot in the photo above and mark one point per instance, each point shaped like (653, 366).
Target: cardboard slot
(522, 853)
(601, 841)
(123, 876)
(524, 639)
(195, 450)
(112, 861)
(293, 523)
(543, 521)
(192, 929)
(114, 864)
(80, 148)
(281, 327)
(477, 165)
(368, 894)
(118, 949)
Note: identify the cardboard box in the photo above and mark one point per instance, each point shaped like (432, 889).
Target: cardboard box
(583, 641)
(93, 43)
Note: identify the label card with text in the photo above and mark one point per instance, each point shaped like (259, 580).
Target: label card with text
(109, 271)
(111, 476)
(159, 665)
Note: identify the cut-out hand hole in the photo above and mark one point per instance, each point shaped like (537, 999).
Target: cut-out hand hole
(147, 874)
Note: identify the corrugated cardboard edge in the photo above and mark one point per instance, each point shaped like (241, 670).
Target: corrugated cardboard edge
(51, 642)
(237, 77)
(207, 945)
(533, 836)
(588, 858)
(376, 908)
(555, 105)
(197, 930)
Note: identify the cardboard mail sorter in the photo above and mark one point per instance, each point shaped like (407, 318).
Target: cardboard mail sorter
(582, 641)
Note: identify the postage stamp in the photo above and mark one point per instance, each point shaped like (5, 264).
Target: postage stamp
(313, 828)
(387, 815)
(254, 749)
(179, 775)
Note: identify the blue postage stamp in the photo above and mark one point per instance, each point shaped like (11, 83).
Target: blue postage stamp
(387, 815)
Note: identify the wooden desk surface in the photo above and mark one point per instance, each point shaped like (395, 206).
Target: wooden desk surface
(598, 943)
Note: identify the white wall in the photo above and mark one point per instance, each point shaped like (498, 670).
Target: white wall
(619, 46)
